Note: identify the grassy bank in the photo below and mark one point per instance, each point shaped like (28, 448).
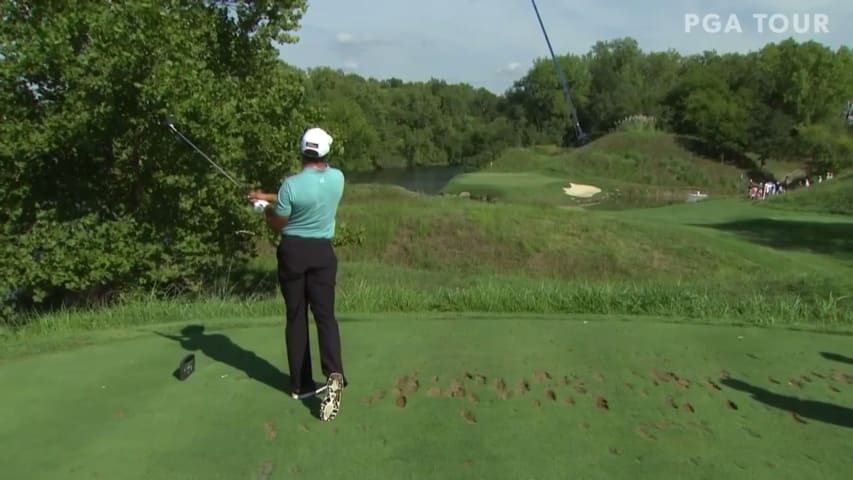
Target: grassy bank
(835, 196)
(728, 261)
(631, 168)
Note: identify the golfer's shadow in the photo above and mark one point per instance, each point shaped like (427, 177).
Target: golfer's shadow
(220, 348)
(812, 409)
(837, 357)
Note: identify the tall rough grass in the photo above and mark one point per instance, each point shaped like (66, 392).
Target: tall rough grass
(676, 301)
(636, 123)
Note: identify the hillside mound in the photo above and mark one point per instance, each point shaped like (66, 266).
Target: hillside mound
(640, 158)
(834, 196)
(455, 234)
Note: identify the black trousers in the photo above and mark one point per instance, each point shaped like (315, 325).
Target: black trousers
(307, 275)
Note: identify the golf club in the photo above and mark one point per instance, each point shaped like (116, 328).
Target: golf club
(259, 205)
(580, 136)
(310, 394)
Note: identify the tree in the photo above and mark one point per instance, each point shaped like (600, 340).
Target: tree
(97, 193)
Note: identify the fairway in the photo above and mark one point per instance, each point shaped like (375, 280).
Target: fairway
(440, 396)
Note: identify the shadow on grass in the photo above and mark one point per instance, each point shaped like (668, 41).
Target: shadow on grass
(706, 149)
(818, 237)
(221, 348)
(251, 281)
(811, 409)
(837, 357)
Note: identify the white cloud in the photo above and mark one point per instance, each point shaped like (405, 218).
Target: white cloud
(510, 67)
(344, 37)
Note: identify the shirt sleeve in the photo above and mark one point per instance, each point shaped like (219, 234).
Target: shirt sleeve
(283, 204)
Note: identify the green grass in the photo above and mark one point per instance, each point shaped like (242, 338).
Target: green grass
(835, 196)
(113, 410)
(720, 261)
(444, 286)
(632, 168)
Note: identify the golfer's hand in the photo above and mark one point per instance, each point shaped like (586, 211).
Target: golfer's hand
(260, 195)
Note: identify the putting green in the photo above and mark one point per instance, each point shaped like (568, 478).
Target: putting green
(603, 399)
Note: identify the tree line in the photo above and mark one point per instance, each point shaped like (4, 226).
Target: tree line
(98, 196)
(787, 101)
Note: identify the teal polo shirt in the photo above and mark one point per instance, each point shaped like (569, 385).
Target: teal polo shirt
(310, 201)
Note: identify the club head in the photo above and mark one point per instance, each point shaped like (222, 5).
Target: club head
(168, 122)
(185, 368)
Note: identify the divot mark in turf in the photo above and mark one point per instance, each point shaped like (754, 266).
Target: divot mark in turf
(629, 386)
(599, 376)
(687, 407)
(407, 384)
(376, 396)
(806, 379)
(551, 395)
(773, 380)
(664, 376)
(671, 402)
(585, 426)
(566, 380)
(481, 379)
(541, 375)
(537, 403)
(500, 385)
(434, 391)
(469, 417)
(751, 432)
(522, 387)
(832, 387)
(570, 400)
(732, 405)
(270, 430)
(473, 398)
(713, 385)
(456, 389)
(665, 423)
(400, 401)
(265, 471)
(702, 426)
(580, 388)
(843, 378)
(817, 375)
(644, 432)
(614, 451)
(797, 418)
(601, 402)
(795, 383)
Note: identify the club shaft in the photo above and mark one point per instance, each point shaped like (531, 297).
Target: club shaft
(563, 82)
(221, 170)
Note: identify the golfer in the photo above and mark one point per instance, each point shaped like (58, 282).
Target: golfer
(304, 211)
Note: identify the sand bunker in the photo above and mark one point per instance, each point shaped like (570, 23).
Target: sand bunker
(581, 191)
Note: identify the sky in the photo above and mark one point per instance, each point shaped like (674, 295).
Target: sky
(492, 43)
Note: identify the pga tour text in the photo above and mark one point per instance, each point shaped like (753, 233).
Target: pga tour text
(758, 22)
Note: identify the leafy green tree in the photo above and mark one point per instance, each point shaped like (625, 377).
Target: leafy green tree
(97, 194)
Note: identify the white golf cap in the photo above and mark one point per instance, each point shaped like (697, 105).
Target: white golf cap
(315, 142)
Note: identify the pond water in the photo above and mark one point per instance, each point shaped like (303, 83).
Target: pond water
(429, 180)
